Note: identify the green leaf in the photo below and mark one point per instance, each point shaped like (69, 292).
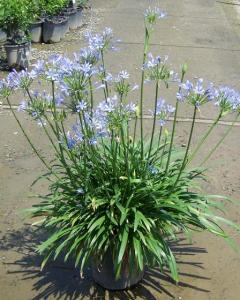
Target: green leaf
(138, 252)
(124, 241)
(97, 223)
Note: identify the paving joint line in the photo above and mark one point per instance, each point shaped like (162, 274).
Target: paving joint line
(180, 46)
(149, 117)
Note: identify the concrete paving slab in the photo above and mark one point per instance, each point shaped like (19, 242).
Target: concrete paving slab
(175, 31)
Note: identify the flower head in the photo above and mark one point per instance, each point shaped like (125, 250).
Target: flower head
(81, 106)
(153, 14)
(22, 106)
(196, 94)
(228, 99)
(163, 111)
(100, 42)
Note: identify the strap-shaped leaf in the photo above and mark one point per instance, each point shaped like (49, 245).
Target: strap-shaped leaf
(123, 245)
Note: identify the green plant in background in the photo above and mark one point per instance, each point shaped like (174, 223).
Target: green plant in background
(81, 3)
(109, 187)
(15, 17)
(37, 10)
(52, 8)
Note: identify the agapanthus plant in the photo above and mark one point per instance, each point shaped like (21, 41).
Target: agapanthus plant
(111, 187)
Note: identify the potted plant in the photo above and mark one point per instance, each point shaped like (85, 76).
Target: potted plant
(14, 20)
(117, 198)
(36, 25)
(55, 24)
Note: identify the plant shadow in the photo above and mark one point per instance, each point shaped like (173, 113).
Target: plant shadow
(61, 280)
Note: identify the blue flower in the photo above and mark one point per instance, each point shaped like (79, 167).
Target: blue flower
(101, 42)
(153, 170)
(80, 191)
(22, 106)
(81, 106)
(93, 141)
(39, 69)
(163, 111)
(228, 99)
(197, 94)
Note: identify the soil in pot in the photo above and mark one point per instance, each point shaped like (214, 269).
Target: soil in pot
(103, 273)
(36, 31)
(54, 29)
(18, 55)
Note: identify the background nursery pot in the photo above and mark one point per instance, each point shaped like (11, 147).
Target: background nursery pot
(35, 31)
(18, 55)
(71, 14)
(54, 29)
(79, 16)
(103, 273)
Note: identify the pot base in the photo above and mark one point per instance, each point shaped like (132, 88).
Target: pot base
(103, 274)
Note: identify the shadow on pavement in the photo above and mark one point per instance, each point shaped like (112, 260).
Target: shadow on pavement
(61, 280)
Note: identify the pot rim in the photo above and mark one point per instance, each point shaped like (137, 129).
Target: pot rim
(58, 21)
(9, 45)
(38, 22)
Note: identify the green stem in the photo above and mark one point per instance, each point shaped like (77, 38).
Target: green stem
(163, 150)
(146, 45)
(188, 147)
(204, 137)
(174, 124)
(135, 130)
(220, 142)
(28, 139)
(106, 91)
(160, 136)
(154, 119)
(91, 95)
(172, 137)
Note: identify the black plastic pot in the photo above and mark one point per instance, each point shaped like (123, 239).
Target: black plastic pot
(36, 31)
(18, 55)
(54, 29)
(103, 274)
(71, 13)
(79, 16)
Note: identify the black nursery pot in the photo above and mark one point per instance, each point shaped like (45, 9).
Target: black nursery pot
(54, 29)
(79, 16)
(103, 273)
(36, 30)
(18, 55)
(71, 13)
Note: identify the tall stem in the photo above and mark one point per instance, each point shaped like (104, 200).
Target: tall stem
(175, 121)
(26, 136)
(204, 137)
(154, 118)
(159, 136)
(188, 147)
(91, 95)
(172, 137)
(146, 45)
(106, 91)
(220, 141)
